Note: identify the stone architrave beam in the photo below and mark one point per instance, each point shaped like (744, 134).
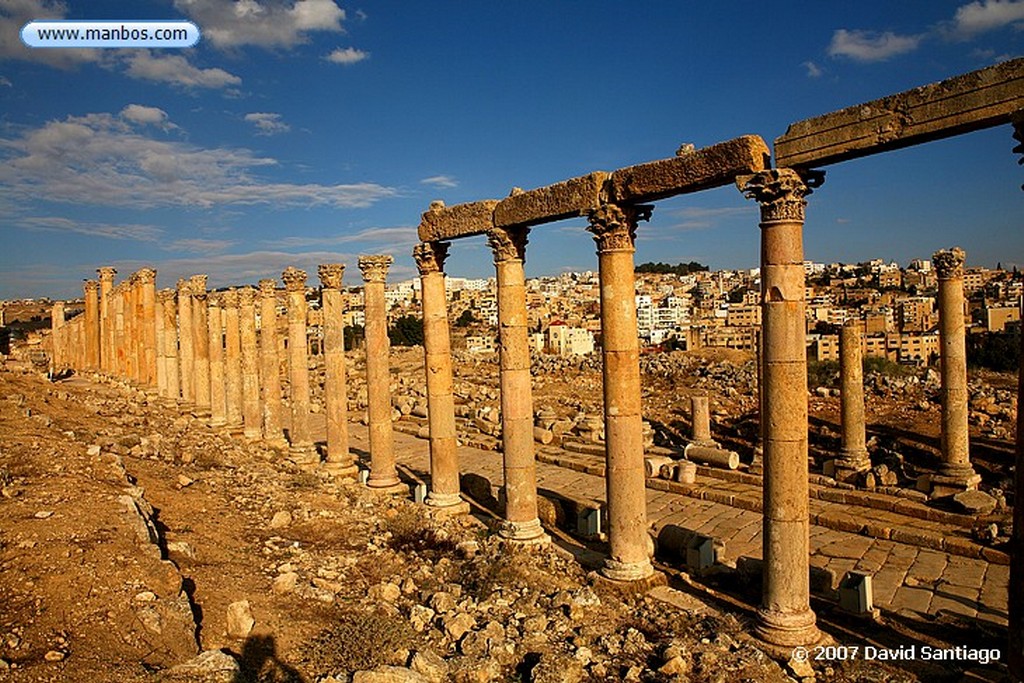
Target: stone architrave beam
(979, 99)
(689, 171)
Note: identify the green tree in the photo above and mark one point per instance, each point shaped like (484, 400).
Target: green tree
(466, 319)
(407, 331)
(354, 336)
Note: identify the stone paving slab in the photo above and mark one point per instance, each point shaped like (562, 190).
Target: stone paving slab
(907, 576)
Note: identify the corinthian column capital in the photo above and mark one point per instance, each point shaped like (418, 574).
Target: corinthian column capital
(198, 283)
(949, 263)
(614, 225)
(106, 273)
(780, 192)
(375, 267)
(508, 244)
(147, 276)
(90, 286)
(430, 256)
(294, 279)
(331, 274)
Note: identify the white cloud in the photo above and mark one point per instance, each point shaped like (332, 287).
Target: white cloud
(99, 159)
(813, 70)
(392, 237)
(348, 55)
(986, 15)
(441, 181)
(14, 14)
(264, 23)
(176, 70)
(130, 231)
(6, 82)
(870, 46)
(147, 116)
(200, 245)
(267, 123)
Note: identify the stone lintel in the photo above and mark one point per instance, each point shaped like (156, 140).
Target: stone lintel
(567, 199)
(690, 171)
(972, 101)
(462, 220)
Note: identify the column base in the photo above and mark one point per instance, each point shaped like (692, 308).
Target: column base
(217, 422)
(530, 532)
(340, 470)
(953, 479)
(757, 464)
(849, 467)
(447, 511)
(626, 589)
(304, 455)
(252, 434)
(783, 631)
(388, 489)
(442, 500)
(626, 571)
(277, 443)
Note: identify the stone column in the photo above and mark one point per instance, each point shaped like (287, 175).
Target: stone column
(106, 276)
(215, 337)
(383, 475)
(521, 522)
(955, 473)
(119, 346)
(630, 548)
(270, 366)
(232, 360)
(301, 449)
(158, 351)
(339, 460)
(170, 343)
(147, 324)
(437, 351)
(186, 347)
(784, 618)
(252, 415)
(92, 324)
(1016, 587)
(58, 355)
(853, 458)
(131, 328)
(700, 417)
(201, 340)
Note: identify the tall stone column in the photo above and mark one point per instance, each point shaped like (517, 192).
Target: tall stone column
(270, 366)
(630, 548)
(955, 473)
(339, 460)
(232, 360)
(201, 340)
(301, 449)
(131, 328)
(853, 457)
(106, 277)
(186, 347)
(383, 475)
(700, 416)
(161, 359)
(147, 300)
(119, 349)
(170, 343)
(215, 337)
(521, 522)
(784, 618)
(58, 355)
(1016, 587)
(437, 351)
(252, 416)
(92, 324)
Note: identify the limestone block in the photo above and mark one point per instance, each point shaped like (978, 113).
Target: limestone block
(693, 171)
(447, 222)
(566, 199)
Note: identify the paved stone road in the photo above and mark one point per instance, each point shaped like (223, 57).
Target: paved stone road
(906, 576)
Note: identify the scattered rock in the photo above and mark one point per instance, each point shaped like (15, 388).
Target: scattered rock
(240, 620)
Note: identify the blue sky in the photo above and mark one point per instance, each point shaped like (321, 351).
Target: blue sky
(307, 131)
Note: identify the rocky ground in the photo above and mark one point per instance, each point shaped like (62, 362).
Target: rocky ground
(137, 544)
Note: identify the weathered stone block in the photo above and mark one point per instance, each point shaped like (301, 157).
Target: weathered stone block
(702, 169)
(566, 199)
(972, 101)
(462, 220)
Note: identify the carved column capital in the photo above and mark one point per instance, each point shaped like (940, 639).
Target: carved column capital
(229, 298)
(246, 296)
(166, 296)
(375, 268)
(294, 279)
(614, 225)
(268, 286)
(183, 286)
(780, 192)
(508, 244)
(90, 286)
(106, 273)
(213, 299)
(146, 276)
(331, 274)
(430, 256)
(198, 283)
(949, 263)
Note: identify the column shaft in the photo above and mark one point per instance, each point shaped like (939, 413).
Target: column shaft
(92, 325)
(232, 360)
(106, 276)
(854, 454)
(700, 416)
(215, 337)
(301, 447)
(339, 460)
(186, 347)
(270, 365)
(201, 342)
(251, 414)
(147, 326)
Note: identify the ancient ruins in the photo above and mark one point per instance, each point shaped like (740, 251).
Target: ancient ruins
(217, 355)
